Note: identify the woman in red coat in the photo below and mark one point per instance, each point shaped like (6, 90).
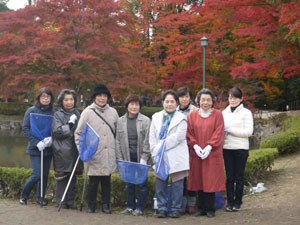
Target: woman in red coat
(205, 135)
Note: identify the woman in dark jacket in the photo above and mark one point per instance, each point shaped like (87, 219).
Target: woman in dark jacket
(64, 149)
(43, 105)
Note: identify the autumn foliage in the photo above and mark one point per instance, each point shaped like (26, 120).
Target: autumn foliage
(152, 45)
(66, 43)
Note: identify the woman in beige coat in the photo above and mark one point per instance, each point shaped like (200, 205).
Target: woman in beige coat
(103, 163)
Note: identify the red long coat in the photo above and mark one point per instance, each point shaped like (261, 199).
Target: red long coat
(206, 175)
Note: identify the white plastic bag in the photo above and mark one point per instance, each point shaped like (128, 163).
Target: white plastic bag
(258, 189)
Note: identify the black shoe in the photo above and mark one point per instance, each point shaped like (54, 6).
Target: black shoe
(72, 206)
(64, 206)
(161, 214)
(236, 207)
(43, 202)
(175, 214)
(200, 212)
(210, 214)
(23, 201)
(90, 210)
(105, 209)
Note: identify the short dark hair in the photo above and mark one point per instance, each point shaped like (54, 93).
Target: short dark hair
(39, 94)
(170, 92)
(236, 92)
(133, 98)
(62, 95)
(206, 91)
(183, 91)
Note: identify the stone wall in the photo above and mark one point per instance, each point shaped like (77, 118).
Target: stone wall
(6, 125)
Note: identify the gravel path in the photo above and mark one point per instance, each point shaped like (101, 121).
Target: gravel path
(280, 204)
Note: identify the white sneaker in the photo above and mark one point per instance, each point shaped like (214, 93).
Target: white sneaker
(137, 212)
(127, 211)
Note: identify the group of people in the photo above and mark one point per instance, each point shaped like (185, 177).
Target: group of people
(197, 141)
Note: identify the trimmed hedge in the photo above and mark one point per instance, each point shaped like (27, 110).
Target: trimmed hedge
(13, 108)
(12, 180)
(259, 163)
(287, 141)
(18, 108)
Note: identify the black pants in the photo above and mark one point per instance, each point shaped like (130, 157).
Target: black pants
(186, 192)
(235, 163)
(61, 187)
(206, 201)
(93, 190)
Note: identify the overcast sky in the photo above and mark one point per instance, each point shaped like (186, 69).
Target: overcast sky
(17, 4)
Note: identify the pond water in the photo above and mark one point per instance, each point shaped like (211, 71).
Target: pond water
(13, 150)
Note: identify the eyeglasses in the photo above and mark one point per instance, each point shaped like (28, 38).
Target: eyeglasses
(45, 96)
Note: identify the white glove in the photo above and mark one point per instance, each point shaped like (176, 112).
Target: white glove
(143, 162)
(73, 118)
(228, 129)
(198, 151)
(206, 152)
(47, 141)
(41, 146)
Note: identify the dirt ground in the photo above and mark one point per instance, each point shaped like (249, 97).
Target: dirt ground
(280, 204)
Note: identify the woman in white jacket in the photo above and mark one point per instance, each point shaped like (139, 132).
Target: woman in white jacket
(177, 153)
(238, 128)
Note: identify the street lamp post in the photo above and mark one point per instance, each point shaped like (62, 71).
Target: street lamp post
(204, 43)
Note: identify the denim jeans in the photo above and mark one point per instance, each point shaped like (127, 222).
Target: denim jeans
(235, 163)
(142, 195)
(35, 178)
(161, 190)
(131, 191)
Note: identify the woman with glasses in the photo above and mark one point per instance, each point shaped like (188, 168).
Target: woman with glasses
(238, 128)
(43, 105)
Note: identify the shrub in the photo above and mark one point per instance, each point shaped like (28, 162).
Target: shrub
(12, 180)
(259, 163)
(287, 141)
(13, 108)
(292, 123)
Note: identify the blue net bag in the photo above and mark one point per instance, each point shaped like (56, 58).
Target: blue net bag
(40, 125)
(132, 172)
(162, 163)
(219, 200)
(88, 143)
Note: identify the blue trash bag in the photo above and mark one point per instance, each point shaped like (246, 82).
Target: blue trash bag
(219, 200)
(162, 163)
(88, 143)
(40, 125)
(131, 172)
